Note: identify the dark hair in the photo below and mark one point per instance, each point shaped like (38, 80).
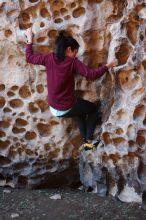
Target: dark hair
(62, 42)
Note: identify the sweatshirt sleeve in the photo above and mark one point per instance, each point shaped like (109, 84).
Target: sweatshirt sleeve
(37, 58)
(90, 74)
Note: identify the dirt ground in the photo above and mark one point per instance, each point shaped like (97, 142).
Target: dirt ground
(28, 204)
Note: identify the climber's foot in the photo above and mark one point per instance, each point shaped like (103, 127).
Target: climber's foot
(96, 142)
(88, 146)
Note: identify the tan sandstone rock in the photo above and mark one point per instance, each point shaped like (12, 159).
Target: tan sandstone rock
(34, 145)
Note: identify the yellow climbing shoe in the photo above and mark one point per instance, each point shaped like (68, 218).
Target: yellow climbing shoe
(88, 146)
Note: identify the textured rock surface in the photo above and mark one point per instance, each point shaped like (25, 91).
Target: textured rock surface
(33, 144)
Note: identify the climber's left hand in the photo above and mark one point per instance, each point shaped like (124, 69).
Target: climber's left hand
(29, 35)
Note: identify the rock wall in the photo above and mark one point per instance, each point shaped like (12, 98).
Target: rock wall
(36, 147)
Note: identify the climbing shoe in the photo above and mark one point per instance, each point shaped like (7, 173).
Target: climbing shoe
(96, 142)
(89, 146)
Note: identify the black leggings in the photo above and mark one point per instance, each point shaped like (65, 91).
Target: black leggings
(86, 115)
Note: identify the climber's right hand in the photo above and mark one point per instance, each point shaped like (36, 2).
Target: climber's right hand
(112, 63)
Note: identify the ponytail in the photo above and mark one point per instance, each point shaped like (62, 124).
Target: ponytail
(62, 42)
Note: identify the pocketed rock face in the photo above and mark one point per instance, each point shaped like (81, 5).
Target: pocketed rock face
(37, 149)
(117, 166)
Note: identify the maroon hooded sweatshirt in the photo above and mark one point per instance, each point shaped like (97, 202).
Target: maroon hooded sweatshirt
(60, 76)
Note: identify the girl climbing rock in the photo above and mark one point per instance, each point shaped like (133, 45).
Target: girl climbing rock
(62, 67)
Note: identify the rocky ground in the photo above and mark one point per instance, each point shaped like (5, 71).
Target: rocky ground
(26, 204)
